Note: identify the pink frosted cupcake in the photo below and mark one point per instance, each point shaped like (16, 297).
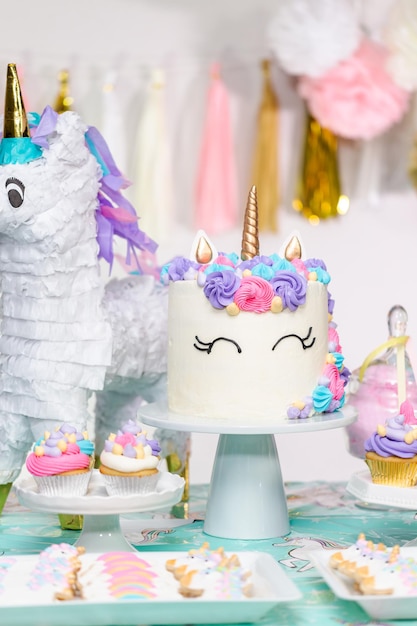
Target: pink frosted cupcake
(62, 462)
(129, 461)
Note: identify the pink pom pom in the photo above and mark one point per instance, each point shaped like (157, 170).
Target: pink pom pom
(356, 99)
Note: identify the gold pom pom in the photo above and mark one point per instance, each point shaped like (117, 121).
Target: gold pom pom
(246, 273)
(39, 451)
(312, 276)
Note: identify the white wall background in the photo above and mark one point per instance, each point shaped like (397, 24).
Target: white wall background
(371, 252)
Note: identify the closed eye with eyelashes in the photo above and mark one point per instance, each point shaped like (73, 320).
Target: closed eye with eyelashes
(303, 340)
(207, 346)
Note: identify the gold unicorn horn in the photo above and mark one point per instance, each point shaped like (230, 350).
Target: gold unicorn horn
(250, 241)
(15, 120)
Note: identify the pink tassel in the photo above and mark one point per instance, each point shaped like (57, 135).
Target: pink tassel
(216, 175)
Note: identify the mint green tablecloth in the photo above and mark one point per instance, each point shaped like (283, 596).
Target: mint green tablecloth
(321, 514)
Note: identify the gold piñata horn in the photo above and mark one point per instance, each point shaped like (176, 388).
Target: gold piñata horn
(15, 120)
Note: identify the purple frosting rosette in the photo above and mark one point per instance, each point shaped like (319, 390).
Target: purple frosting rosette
(220, 288)
(291, 288)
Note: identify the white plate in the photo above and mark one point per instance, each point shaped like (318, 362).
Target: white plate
(361, 486)
(378, 607)
(158, 414)
(270, 587)
(168, 492)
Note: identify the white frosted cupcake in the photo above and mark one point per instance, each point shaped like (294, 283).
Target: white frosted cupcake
(129, 461)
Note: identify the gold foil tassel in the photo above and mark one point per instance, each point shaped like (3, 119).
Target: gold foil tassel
(63, 101)
(176, 466)
(250, 241)
(15, 121)
(4, 492)
(265, 166)
(318, 193)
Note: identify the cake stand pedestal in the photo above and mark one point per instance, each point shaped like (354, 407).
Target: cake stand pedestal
(101, 530)
(246, 497)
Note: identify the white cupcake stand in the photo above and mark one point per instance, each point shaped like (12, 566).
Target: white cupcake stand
(376, 496)
(246, 496)
(101, 530)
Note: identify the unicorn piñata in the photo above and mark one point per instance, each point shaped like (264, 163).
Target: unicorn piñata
(61, 335)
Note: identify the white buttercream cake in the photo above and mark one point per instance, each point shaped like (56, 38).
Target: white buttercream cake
(252, 337)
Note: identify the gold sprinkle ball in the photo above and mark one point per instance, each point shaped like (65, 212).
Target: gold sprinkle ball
(276, 304)
(117, 449)
(233, 309)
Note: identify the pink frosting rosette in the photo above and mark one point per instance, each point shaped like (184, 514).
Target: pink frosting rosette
(334, 345)
(357, 98)
(336, 384)
(254, 294)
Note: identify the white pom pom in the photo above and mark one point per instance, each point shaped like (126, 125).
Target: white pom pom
(308, 38)
(400, 37)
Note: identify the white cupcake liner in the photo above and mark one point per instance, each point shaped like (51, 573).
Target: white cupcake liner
(59, 485)
(128, 485)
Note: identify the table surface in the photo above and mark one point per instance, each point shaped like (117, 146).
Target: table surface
(322, 514)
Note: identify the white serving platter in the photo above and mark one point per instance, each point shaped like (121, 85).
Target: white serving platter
(380, 607)
(271, 586)
(360, 485)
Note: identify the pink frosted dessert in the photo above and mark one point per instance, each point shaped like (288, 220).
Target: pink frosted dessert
(391, 451)
(58, 464)
(376, 400)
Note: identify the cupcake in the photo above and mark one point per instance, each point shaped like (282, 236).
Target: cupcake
(62, 462)
(391, 452)
(129, 461)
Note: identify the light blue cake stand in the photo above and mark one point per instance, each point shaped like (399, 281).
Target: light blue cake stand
(246, 496)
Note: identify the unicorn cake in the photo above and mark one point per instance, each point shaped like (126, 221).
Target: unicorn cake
(252, 337)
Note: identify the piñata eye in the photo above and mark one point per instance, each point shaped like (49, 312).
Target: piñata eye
(15, 192)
